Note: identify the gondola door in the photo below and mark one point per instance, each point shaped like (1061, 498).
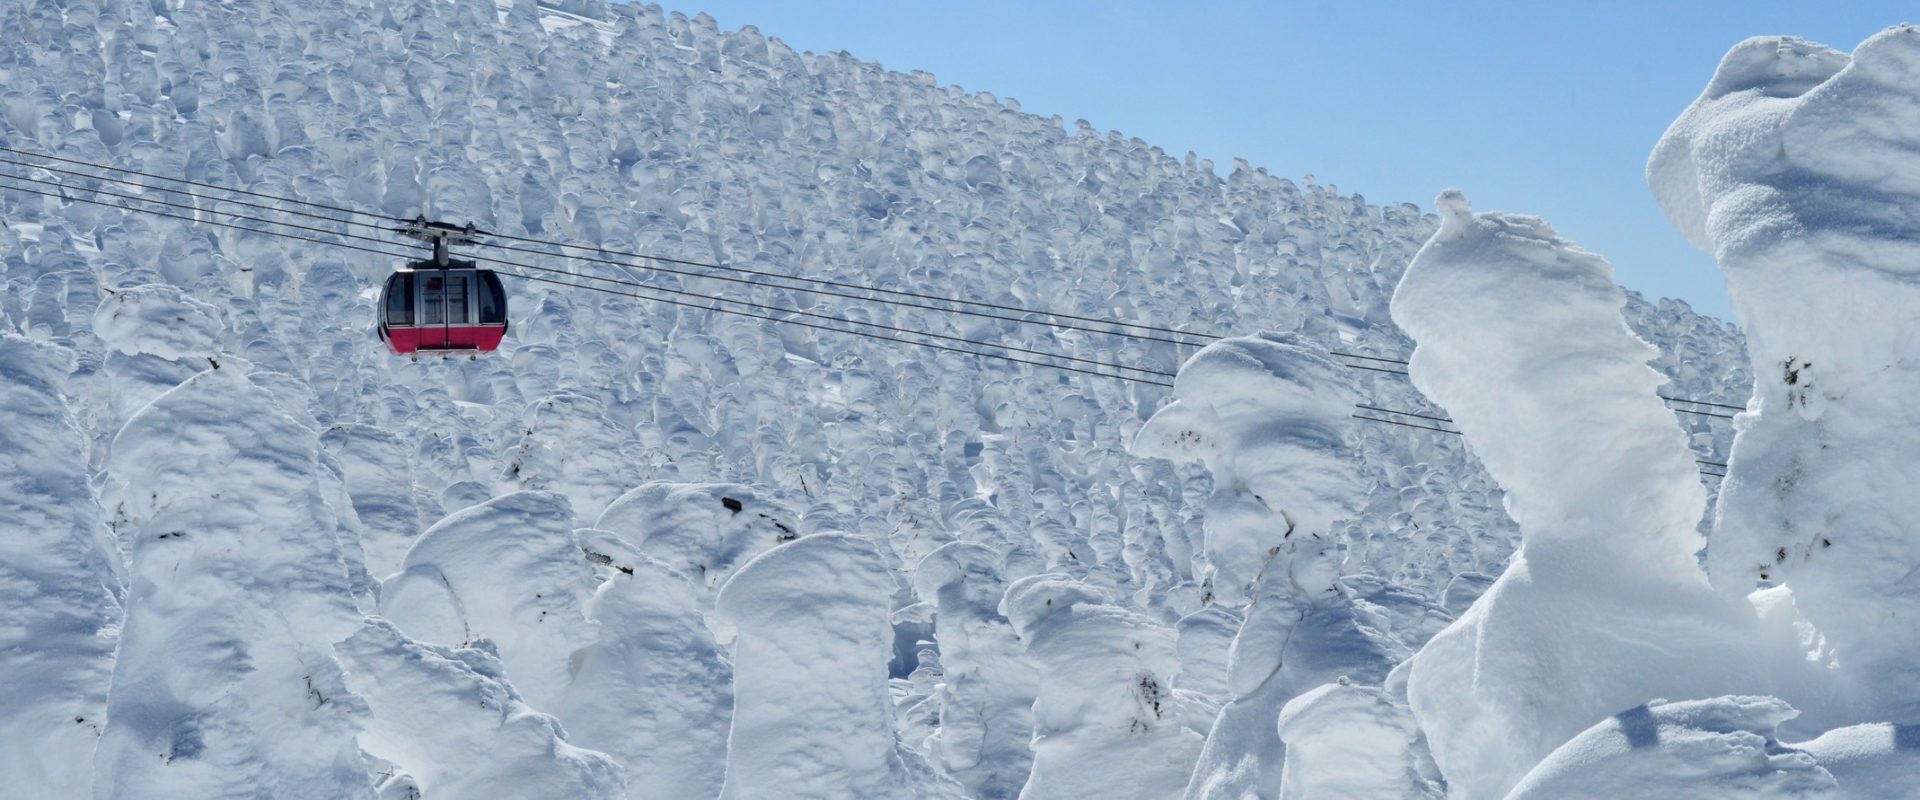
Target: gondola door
(444, 298)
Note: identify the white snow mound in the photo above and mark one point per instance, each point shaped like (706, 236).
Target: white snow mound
(1717, 749)
(161, 320)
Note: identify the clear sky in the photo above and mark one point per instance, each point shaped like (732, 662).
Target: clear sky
(1545, 108)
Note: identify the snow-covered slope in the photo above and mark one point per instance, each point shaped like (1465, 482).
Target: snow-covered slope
(251, 472)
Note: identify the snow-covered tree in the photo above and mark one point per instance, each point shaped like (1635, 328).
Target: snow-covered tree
(986, 698)
(1796, 168)
(508, 570)
(1519, 336)
(811, 715)
(225, 683)
(1717, 749)
(58, 582)
(448, 720)
(656, 690)
(1268, 416)
(1106, 722)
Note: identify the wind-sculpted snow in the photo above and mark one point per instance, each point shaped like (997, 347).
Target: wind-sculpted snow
(570, 447)
(986, 700)
(224, 684)
(620, 126)
(1269, 416)
(1796, 169)
(450, 724)
(58, 582)
(159, 320)
(656, 689)
(1106, 723)
(1716, 749)
(1347, 742)
(811, 715)
(508, 570)
(705, 531)
(379, 476)
(1604, 605)
(1868, 761)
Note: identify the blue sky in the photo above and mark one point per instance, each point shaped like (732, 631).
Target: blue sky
(1545, 108)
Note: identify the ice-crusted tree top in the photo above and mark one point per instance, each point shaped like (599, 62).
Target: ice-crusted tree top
(1519, 335)
(1267, 413)
(161, 320)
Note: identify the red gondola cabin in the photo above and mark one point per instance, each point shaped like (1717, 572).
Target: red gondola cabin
(426, 308)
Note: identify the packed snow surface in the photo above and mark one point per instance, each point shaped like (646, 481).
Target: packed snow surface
(658, 551)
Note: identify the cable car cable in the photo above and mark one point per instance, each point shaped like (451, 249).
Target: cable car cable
(1369, 358)
(1404, 362)
(1374, 369)
(1406, 424)
(184, 218)
(1700, 413)
(610, 262)
(582, 286)
(553, 243)
(866, 288)
(189, 193)
(1404, 413)
(188, 206)
(868, 298)
(636, 284)
(1012, 359)
(665, 259)
(1046, 354)
(1703, 403)
(836, 330)
(816, 315)
(262, 195)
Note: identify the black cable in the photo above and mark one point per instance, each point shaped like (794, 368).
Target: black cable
(188, 206)
(1665, 398)
(817, 315)
(1402, 413)
(1703, 403)
(282, 234)
(1406, 424)
(564, 283)
(297, 237)
(596, 260)
(648, 287)
(865, 288)
(664, 259)
(277, 198)
(1370, 358)
(1701, 461)
(830, 293)
(1446, 419)
(124, 182)
(1373, 369)
(835, 330)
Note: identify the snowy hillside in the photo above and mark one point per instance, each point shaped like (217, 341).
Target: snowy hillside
(651, 550)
